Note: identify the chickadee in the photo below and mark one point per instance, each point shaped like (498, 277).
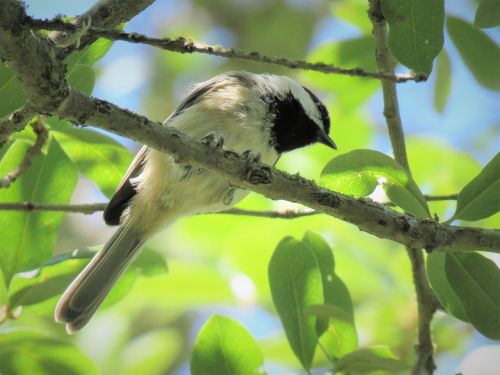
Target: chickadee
(253, 114)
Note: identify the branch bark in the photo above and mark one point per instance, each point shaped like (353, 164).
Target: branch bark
(426, 300)
(182, 45)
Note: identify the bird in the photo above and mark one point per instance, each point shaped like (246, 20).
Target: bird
(260, 116)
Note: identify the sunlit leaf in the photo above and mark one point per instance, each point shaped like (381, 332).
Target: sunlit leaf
(82, 78)
(97, 156)
(476, 281)
(340, 336)
(478, 51)
(90, 55)
(442, 84)
(487, 14)
(444, 292)
(295, 280)
(480, 198)
(225, 347)
(365, 361)
(358, 172)
(11, 91)
(353, 12)
(28, 238)
(30, 352)
(415, 31)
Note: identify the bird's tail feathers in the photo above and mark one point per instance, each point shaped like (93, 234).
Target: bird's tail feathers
(86, 293)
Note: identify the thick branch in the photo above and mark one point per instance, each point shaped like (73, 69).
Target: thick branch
(182, 45)
(426, 300)
(15, 122)
(367, 215)
(106, 15)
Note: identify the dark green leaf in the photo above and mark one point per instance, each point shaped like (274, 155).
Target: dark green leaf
(479, 52)
(415, 31)
(29, 352)
(338, 334)
(476, 281)
(442, 84)
(295, 280)
(28, 238)
(82, 78)
(12, 92)
(365, 361)
(487, 14)
(358, 173)
(98, 157)
(441, 286)
(225, 347)
(480, 198)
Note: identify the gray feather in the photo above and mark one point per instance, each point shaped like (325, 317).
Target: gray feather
(85, 294)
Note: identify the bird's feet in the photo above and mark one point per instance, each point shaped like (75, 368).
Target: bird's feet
(251, 157)
(213, 141)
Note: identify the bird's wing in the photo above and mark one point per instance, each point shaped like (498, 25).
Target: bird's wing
(125, 191)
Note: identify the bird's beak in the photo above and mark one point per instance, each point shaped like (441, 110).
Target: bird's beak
(326, 140)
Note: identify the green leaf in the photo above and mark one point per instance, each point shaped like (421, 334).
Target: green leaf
(11, 91)
(487, 14)
(97, 156)
(476, 281)
(340, 337)
(28, 238)
(480, 198)
(364, 361)
(442, 84)
(446, 295)
(358, 172)
(225, 347)
(295, 280)
(338, 333)
(478, 51)
(82, 78)
(30, 352)
(415, 31)
(89, 55)
(353, 12)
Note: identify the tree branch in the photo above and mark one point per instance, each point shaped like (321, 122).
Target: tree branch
(426, 300)
(105, 14)
(182, 45)
(35, 149)
(15, 122)
(90, 208)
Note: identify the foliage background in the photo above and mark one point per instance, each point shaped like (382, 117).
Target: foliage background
(218, 263)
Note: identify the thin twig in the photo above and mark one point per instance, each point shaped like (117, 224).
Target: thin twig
(35, 149)
(183, 45)
(15, 122)
(426, 301)
(90, 208)
(87, 208)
